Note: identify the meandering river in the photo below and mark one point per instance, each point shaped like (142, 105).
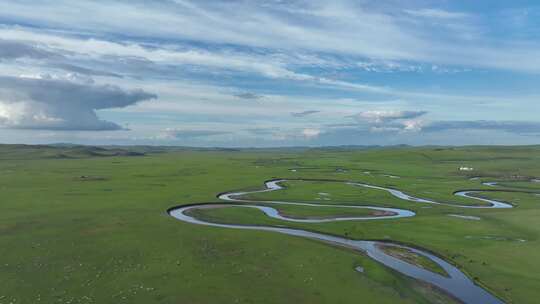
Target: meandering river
(456, 284)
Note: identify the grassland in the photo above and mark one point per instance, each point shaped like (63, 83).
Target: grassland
(88, 225)
(414, 258)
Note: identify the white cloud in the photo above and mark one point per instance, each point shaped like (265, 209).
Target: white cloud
(343, 27)
(311, 133)
(437, 13)
(390, 120)
(272, 65)
(413, 125)
(380, 116)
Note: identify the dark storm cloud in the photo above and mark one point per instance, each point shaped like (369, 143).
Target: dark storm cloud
(248, 95)
(57, 104)
(304, 113)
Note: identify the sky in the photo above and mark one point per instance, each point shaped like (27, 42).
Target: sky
(241, 73)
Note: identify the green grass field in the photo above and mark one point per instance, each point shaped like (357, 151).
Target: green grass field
(87, 225)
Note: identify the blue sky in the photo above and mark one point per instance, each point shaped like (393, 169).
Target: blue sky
(270, 73)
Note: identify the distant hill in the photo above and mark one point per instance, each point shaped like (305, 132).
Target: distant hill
(59, 151)
(74, 151)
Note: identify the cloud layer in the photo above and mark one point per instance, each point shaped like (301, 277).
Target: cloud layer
(379, 116)
(514, 127)
(264, 73)
(10, 49)
(345, 27)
